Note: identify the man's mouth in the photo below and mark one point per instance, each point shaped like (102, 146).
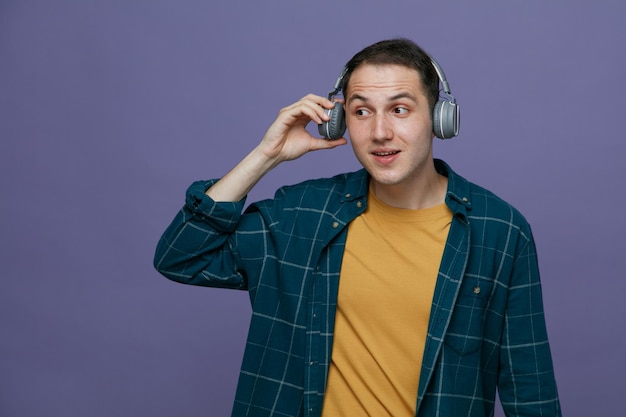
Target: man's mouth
(387, 153)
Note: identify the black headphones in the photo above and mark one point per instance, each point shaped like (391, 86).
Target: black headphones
(446, 116)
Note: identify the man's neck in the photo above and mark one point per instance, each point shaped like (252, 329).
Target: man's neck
(427, 190)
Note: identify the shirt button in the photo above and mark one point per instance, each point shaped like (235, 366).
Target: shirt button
(335, 225)
(348, 195)
(465, 199)
(476, 290)
(359, 204)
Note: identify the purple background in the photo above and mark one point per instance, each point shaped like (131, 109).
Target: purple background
(109, 110)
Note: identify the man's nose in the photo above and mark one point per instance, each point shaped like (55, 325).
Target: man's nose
(381, 129)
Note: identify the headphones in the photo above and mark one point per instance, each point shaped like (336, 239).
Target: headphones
(446, 116)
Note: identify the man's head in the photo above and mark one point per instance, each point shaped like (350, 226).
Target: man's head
(390, 90)
(402, 52)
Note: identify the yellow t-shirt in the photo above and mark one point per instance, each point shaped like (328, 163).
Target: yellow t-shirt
(386, 287)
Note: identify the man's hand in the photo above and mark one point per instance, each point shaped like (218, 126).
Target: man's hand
(287, 138)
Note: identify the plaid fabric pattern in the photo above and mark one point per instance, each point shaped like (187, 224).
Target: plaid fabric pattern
(486, 331)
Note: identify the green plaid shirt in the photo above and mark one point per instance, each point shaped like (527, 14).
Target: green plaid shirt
(486, 329)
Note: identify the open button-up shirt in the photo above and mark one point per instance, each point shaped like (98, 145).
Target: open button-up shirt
(486, 327)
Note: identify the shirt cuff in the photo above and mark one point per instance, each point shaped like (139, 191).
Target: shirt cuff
(204, 208)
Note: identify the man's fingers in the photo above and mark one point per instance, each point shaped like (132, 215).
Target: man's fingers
(312, 106)
(319, 144)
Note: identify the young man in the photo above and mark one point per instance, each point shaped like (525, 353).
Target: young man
(398, 290)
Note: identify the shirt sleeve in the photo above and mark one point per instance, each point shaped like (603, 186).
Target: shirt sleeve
(197, 248)
(527, 384)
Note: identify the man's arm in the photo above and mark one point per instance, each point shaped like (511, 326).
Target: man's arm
(195, 248)
(527, 386)
(286, 139)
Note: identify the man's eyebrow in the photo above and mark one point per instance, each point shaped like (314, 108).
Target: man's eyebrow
(403, 95)
(357, 97)
(398, 96)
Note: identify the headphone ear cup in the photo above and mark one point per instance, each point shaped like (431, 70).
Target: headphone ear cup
(335, 127)
(446, 119)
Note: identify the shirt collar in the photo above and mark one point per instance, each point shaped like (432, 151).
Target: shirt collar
(457, 197)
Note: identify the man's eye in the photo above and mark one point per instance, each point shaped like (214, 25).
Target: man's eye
(401, 110)
(361, 112)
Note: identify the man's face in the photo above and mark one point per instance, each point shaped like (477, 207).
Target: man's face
(388, 118)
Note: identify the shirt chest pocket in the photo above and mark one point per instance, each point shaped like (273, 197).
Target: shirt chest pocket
(465, 332)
